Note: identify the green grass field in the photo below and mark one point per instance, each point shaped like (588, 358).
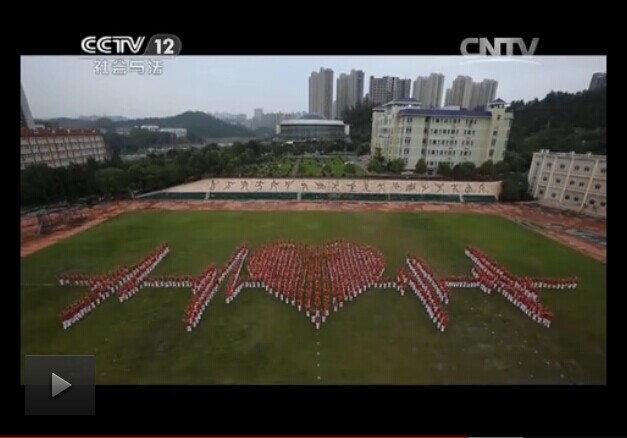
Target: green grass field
(380, 338)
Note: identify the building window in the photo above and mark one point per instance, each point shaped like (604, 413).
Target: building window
(495, 133)
(598, 186)
(405, 160)
(408, 130)
(576, 198)
(494, 142)
(562, 166)
(542, 192)
(572, 182)
(592, 201)
(537, 163)
(437, 120)
(581, 184)
(558, 180)
(602, 204)
(424, 141)
(544, 178)
(407, 140)
(498, 117)
(586, 169)
(567, 197)
(491, 153)
(425, 131)
(409, 120)
(406, 151)
(603, 170)
(577, 168)
(548, 164)
(552, 195)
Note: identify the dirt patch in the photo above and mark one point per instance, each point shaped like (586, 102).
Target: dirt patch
(554, 225)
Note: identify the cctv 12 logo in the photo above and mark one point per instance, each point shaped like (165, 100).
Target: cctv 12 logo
(158, 45)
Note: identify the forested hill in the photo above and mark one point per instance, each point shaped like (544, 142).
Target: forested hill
(197, 123)
(561, 122)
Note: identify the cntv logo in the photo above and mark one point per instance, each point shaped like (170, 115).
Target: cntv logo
(494, 48)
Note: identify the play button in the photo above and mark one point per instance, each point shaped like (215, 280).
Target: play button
(48, 381)
(59, 385)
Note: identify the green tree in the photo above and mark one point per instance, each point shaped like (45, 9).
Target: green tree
(444, 169)
(116, 160)
(518, 162)
(363, 149)
(375, 165)
(487, 168)
(501, 168)
(196, 163)
(421, 166)
(349, 169)
(326, 169)
(111, 180)
(396, 166)
(359, 118)
(514, 189)
(465, 170)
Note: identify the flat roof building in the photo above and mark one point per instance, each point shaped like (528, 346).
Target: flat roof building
(570, 181)
(313, 127)
(61, 147)
(404, 129)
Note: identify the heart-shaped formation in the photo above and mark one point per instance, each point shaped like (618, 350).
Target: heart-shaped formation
(317, 280)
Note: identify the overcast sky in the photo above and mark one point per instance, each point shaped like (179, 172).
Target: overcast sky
(68, 86)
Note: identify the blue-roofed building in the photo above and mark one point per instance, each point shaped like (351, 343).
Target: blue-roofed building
(404, 129)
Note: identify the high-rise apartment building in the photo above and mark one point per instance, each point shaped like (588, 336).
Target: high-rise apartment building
(321, 92)
(428, 90)
(350, 91)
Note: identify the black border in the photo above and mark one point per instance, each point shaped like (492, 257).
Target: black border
(280, 39)
(350, 410)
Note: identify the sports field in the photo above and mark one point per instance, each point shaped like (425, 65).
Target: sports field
(380, 338)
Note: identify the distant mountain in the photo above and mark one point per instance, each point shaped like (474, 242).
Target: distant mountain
(112, 118)
(196, 122)
(66, 122)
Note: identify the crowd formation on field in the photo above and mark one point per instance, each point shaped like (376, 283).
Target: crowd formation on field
(433, 293)
(316, 280)
(208, 284)
(125, 282)
(522, 292)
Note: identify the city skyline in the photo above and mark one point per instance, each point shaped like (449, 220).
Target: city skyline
(69, 87)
